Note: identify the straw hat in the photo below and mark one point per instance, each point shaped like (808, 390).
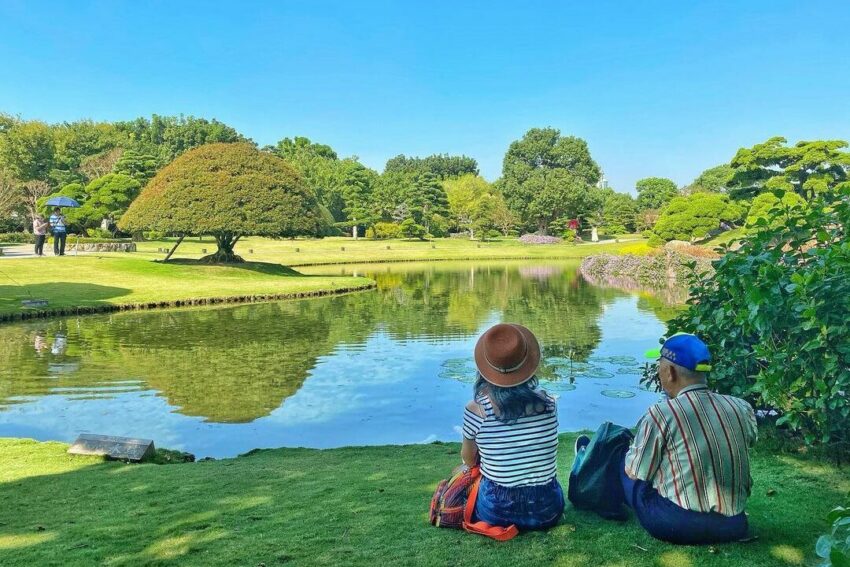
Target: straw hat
(507, 355)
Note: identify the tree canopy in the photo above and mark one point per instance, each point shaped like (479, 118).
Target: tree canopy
(655, 192)
(713, 180)
(546, 176)
(695, 216)
(807, 168)
(228, 191)
(441, 166)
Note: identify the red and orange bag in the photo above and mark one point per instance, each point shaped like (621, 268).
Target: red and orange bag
(454, 502)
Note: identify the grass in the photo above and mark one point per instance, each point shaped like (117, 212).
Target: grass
(89, 281)
(351, 506)
(107, 279)
(330, 250)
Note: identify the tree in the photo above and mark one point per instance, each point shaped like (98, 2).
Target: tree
(557, 194)
(27, 151)
(105, 198)
(10, 194)
(693, 217)
(543, 160)
(426, 201)
(411, 229)
(294, 148)
(228, 191)
(655, 192)
(140, 166)
(32, 194)
(100, 164)
(807, 168)
(619, 212)
(441, 166)
(713, 180)
(471, 202)
(77, 143)
(503, 218)
(169, 136)
(770, 208)
(357, 182)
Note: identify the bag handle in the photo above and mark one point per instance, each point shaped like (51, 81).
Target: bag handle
(483, 528)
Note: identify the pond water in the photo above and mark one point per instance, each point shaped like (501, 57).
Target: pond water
(381, 367)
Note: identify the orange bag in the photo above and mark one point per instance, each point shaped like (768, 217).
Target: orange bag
(453, 504)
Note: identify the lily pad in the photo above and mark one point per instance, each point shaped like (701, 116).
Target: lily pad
(596, 372)
(621, 394)
(460, 369)
(630, 370)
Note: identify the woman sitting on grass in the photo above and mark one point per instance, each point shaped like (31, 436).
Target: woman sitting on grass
(511, 427)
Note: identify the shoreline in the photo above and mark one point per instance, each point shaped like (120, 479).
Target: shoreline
(177, 303)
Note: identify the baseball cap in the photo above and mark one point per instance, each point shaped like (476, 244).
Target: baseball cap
(686, 350)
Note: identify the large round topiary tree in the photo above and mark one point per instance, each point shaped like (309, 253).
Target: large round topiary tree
(227, 191)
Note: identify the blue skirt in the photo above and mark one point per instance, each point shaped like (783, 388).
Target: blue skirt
(527, 507)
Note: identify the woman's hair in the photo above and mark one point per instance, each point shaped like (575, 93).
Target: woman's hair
(510, 404)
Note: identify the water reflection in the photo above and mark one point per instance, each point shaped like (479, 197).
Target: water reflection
(388, 366)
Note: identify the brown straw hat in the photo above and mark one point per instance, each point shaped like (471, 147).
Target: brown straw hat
(507, 355)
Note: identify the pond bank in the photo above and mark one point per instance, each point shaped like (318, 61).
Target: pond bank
(98, 284)
(350, 506)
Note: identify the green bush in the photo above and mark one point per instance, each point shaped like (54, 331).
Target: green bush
(153, 235)
(777, 314)
(17, 238)
(409, 229)
(834, 548)
(694, 216)
(765, 203)
(99, 233)
(383, 231)
(569, 235)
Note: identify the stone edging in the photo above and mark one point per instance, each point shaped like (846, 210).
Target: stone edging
(111, 308)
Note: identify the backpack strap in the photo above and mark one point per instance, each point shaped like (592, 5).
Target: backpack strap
(483, 528)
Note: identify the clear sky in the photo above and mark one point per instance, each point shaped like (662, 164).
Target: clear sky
(656, 88)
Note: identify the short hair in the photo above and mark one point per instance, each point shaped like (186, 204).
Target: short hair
(57, 209)
(686, 373)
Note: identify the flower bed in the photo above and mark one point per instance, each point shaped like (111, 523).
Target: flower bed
(539, 239)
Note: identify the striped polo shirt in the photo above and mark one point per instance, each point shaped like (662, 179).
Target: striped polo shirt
(694, 450)
(521, 453)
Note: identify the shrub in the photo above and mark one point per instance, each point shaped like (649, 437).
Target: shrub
(695, 216)
(17, 237)
(766, 203)
(98, 233)
(639, 249)
(834, 548)
(492, 235)
(569, 235)
(383, 230)
(153, 235)
(776, 314)
(539, 239)
(409, 229)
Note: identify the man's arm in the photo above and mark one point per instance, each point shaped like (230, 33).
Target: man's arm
(647, 450)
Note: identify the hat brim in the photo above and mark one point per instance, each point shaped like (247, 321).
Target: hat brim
(519, 376)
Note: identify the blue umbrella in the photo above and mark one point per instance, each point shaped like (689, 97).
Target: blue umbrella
(62, 202)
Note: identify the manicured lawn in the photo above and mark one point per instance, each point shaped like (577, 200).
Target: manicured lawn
(90, 281)
(330, 250)
(352, 506)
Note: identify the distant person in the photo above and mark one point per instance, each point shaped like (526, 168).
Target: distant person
(60, 344)
(686, 474)
(40, 226)
(511, 428)
(60, 232)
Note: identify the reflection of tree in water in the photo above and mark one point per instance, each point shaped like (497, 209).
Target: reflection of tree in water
(236, 364)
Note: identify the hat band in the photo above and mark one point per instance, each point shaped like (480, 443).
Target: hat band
(503, 370)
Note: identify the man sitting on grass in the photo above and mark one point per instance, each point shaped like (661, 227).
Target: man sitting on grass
(686, 474)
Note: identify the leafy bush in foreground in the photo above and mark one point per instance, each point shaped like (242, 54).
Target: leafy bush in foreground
(777, 315)
(834, 548)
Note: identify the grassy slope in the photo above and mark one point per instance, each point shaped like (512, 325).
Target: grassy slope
(90, 281)
(352, 506)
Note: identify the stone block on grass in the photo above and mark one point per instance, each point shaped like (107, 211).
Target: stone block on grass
(119, 448)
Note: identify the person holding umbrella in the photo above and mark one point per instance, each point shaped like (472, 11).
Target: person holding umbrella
(58, 224)
(60, 232)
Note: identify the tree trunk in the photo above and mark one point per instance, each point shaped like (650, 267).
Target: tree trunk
(224, 255)
(176, 244)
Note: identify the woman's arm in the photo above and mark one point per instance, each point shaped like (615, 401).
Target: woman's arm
(469, 449)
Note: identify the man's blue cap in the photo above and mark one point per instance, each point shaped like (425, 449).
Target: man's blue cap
(686, 350)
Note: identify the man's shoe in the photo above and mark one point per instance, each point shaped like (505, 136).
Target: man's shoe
(582, 441)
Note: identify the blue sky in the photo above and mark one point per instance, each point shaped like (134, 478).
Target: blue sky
(656, 88)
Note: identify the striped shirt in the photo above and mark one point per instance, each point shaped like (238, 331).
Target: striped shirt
(57, 223)
(521, 453)
(694, 450)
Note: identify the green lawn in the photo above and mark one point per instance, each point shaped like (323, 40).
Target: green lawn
(330, 250)
(91, 281)
(352, 506)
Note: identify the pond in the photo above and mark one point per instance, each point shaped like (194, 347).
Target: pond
(388, 366)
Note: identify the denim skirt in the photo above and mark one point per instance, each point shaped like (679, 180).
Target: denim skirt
(534, 507)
